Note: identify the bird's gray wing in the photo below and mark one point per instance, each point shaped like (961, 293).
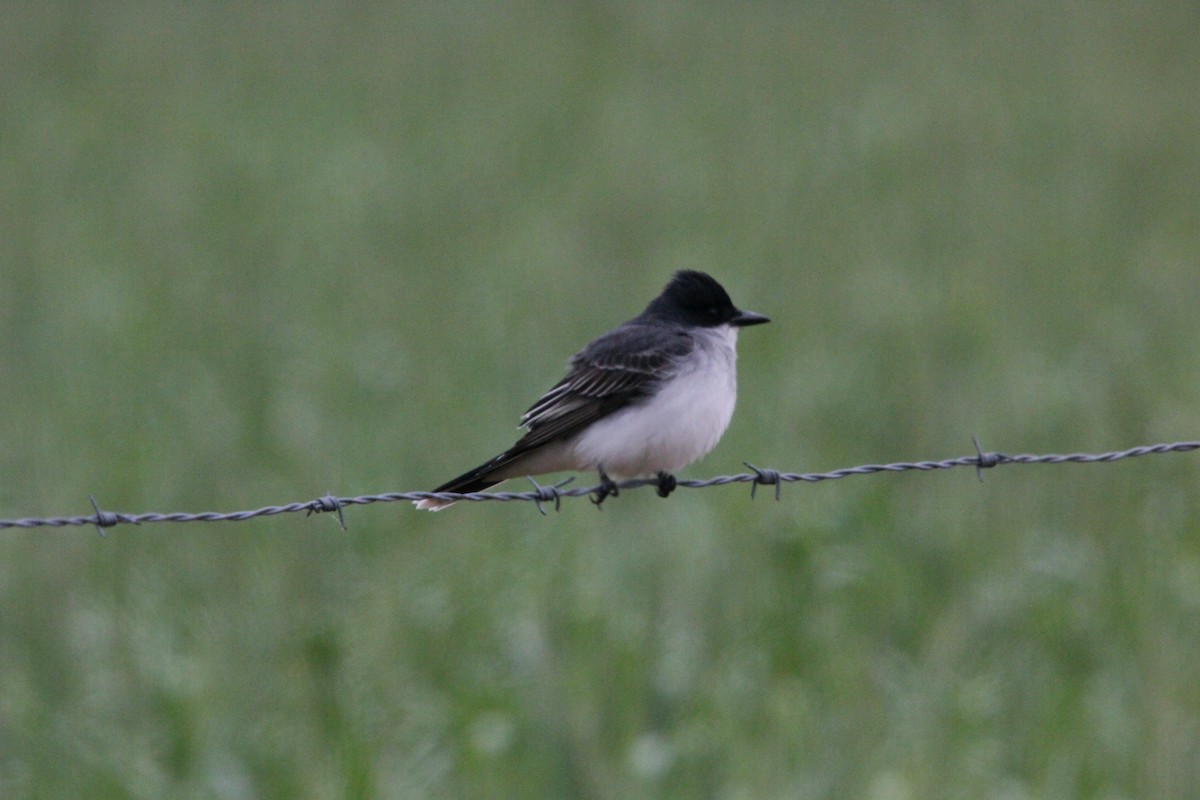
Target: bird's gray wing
(612, 372)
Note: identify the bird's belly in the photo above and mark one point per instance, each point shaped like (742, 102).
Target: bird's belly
(681, 423)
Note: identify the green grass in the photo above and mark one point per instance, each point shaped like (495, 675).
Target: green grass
(252, 254)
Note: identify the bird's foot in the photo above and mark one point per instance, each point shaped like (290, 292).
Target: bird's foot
(606, 488)
(666, 484)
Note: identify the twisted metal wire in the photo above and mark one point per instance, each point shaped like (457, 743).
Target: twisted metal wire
(758, 476)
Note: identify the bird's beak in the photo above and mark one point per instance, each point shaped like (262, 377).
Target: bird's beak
(745, 318)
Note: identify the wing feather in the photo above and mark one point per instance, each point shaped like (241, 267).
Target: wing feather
(610, 373)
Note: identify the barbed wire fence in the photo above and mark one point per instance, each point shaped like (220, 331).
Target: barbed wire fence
(541, 494)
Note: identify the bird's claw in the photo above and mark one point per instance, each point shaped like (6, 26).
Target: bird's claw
(606, 488)
(666, 484)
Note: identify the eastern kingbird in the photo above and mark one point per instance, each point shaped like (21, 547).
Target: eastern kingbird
(647, 398)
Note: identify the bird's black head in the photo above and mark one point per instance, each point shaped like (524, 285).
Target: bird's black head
(694, 298)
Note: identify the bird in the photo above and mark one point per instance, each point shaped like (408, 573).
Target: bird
(645, 399)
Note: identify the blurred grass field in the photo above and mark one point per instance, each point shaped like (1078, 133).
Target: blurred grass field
(254, 253)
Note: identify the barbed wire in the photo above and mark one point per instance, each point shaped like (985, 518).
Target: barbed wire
(758, 476)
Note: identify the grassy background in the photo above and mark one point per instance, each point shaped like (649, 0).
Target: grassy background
(257, 252)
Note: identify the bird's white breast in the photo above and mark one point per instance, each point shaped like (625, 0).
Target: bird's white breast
(678, 425)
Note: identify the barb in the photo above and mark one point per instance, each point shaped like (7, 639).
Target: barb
(761, 476)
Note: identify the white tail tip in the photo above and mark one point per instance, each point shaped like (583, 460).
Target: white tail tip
(432, 505)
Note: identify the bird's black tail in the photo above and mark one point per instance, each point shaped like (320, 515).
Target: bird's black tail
(475, 480)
